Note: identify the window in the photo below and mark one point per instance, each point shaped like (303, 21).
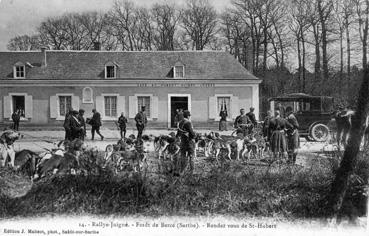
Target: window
(19, 105)
(110, 71)
(144, 101)
(19, 70)
(110, 104)
(224, 103)
(65, 104)
(87, 95)
(179, 71)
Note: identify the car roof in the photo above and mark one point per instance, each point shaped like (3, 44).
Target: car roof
(296, 96)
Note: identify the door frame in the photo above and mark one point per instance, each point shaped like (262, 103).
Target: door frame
(170, 95)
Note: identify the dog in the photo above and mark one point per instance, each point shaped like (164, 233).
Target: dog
(7, 139)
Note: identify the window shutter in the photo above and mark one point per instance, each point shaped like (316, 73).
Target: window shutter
(212, 107)
(53, 107)
(75, 103)
(132, 106)
(7, 106)
(235, 106)
(121, 105)
(155, 107)
(100, 105)
(28, 106)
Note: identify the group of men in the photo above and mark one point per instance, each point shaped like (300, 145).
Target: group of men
(245, 123)
(281, 132)
(75, 124)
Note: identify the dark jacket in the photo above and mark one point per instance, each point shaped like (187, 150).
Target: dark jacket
(82, 121)
(122, 121)
(185, 130)
(141, 118)
(252, 118)
(223, 115)
(15, 116)
(96, 120)
(241, 120)
(75, 128)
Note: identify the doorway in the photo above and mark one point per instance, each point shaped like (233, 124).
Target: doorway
(19, 104)
(177, 101)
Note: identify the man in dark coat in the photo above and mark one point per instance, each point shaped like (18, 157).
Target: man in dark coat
(293, 138)
(95, 124)
(122, 123)
(278, 143)
(141, 121)
(187, 145)
(343, 123)
(82, 121)
(242, 122)
(66, 124)
(266, 123)
(76, 128)
(16, 118)
(252, 118)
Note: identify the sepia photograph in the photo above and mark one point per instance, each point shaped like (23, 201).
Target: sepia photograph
(205, 117)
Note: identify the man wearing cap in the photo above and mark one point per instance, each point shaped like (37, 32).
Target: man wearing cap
(252, 118)
(187, 136)
(293, 138)
(95, 124)
(82, 121)
(76, 128)
(66, 124)
(141, 121)
(242, 122)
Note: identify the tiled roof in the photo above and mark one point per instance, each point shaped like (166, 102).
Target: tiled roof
(90, 65)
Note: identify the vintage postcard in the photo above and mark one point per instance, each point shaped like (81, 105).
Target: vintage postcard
(136, 117)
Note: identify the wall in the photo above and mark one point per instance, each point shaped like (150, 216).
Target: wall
(199, 98)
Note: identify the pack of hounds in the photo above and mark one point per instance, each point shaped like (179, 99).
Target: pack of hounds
(128, 154)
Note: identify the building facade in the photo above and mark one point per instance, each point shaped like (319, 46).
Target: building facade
(44, 84)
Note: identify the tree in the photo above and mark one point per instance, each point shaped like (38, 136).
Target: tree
(362, 13)
(165, 21)
(199, 20)
(24, 43)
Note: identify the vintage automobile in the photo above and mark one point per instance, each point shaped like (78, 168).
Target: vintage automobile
(314, 113)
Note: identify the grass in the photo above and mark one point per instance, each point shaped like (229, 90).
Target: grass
(231, 189)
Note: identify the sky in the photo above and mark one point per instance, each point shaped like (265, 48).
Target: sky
(19, 17)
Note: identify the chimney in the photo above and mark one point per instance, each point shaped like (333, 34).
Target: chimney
(97, 46)
(44, 61)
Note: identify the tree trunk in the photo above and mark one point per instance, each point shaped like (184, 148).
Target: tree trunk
(303, 62)
(300, 67)
(348, 52)
(317, 54)
(341, 62)
(348, 163)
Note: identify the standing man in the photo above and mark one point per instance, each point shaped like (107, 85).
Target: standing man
(187, 146)
(96, 124)
(122, 123)
(343, 123)
(66, 124)
(180, 115)
(278, 141)
(223, 120)
(141, 121)
(266, 124)
(82, 121)
(293, 138)
(16, 118)
(76, 129)
(252, 118)
(242, 122)
(176, 118)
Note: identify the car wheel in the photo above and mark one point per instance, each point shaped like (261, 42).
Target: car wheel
(319, 132)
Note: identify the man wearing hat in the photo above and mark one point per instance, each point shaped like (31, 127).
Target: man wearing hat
(95, 124)
(141, 121)
(252, 118)
(187, 146)
(81, 120)
(76, 128)
(242, 123)
(66, 124)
